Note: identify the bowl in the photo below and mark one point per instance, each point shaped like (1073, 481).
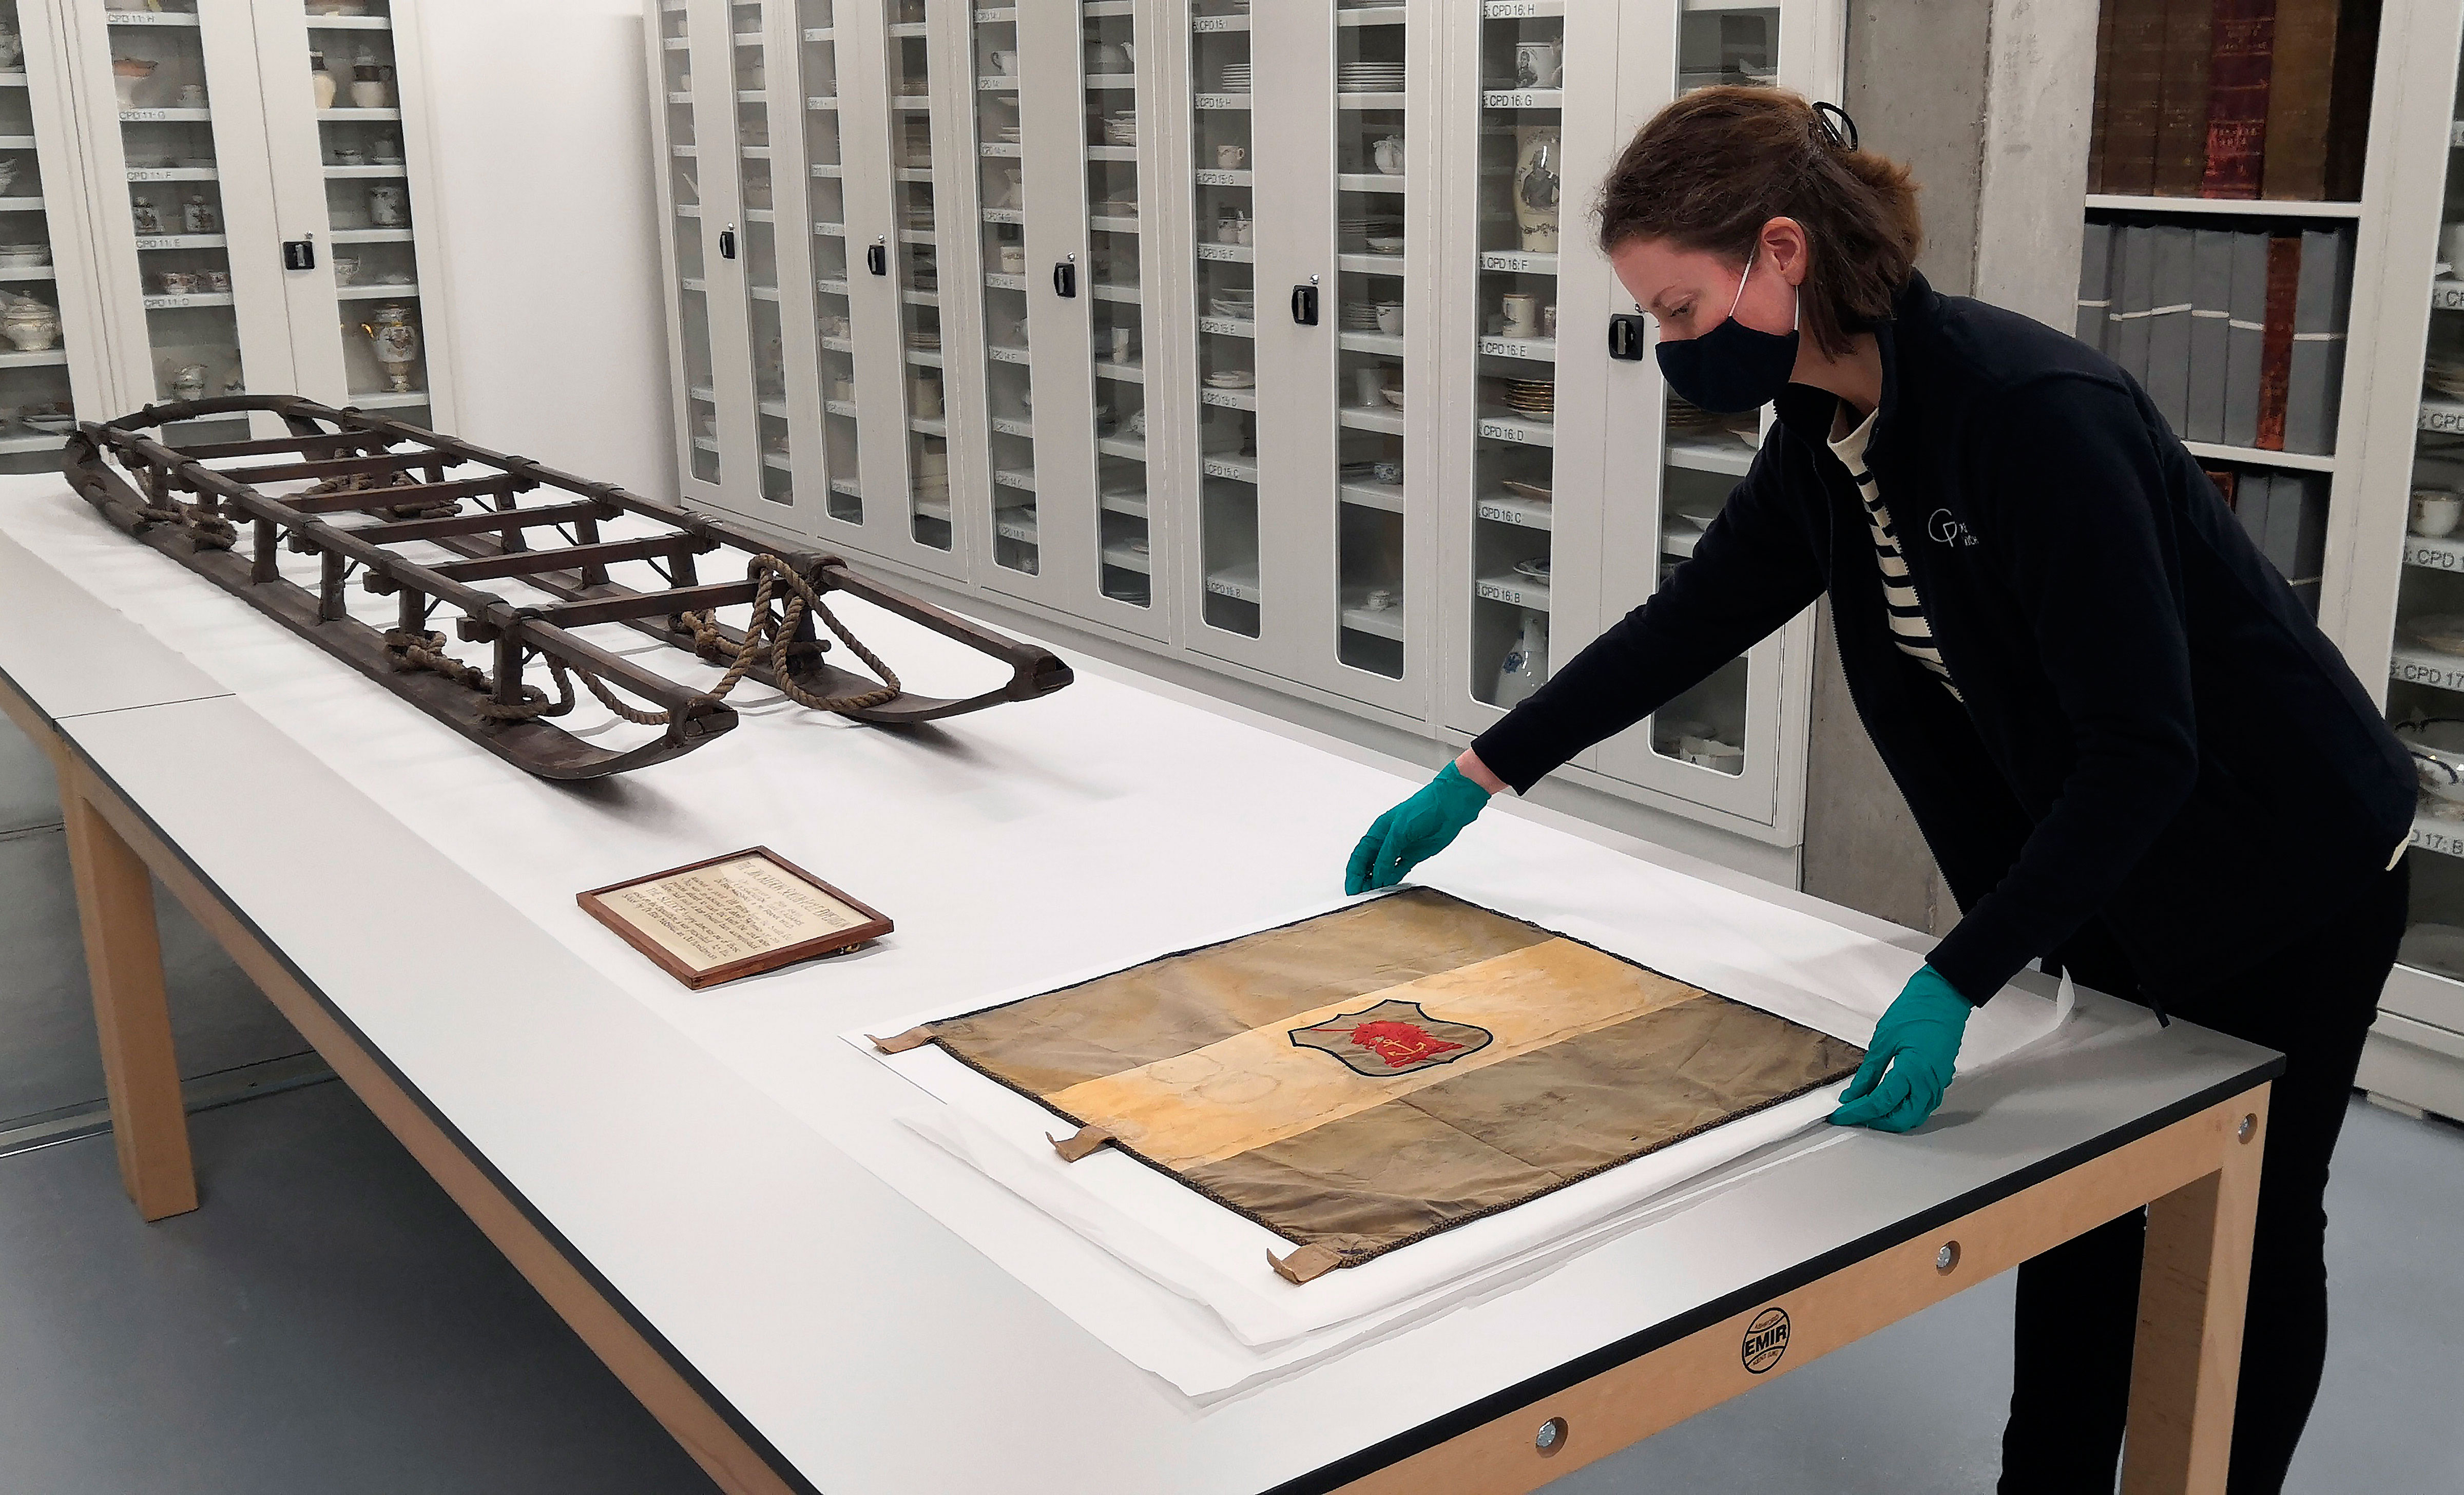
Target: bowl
(51, 425)
(2438, 748)
(1394, 396)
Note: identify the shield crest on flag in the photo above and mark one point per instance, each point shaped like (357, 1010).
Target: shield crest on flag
(1392, 1037)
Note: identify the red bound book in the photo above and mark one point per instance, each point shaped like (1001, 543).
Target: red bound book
(2223, 478)
(2275, 344)
(2244, 34)
(2182, 121)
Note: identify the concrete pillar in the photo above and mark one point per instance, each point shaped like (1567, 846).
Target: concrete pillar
(1986, 101)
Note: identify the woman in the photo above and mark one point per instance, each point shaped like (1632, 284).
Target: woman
(2130, 748)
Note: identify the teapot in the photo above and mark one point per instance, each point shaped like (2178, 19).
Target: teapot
(1389, 155)
(30, 324)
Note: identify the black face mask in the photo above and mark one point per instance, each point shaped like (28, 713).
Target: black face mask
(1733, 367)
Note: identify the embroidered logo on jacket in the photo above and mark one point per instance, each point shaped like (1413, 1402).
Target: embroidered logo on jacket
(1392, 1037)
(1943, 529)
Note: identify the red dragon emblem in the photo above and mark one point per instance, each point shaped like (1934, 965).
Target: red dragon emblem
(1392, 1038)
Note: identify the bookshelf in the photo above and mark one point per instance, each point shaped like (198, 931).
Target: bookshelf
(2241, 206)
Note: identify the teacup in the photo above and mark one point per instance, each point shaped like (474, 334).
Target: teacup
(1230, 157)
(1005, 62)
(1522, 310)
(176, 282)
(1390, 319)
(345, 270)
(2436, 512)
(218, 281)
(1388, 472)
(1013, 259)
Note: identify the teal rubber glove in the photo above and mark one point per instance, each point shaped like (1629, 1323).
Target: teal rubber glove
(1918, 1039)
(1414, 831)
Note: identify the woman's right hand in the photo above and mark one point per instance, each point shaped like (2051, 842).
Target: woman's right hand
(1416, 830)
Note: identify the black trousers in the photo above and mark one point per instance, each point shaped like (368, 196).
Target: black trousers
(2312, 999)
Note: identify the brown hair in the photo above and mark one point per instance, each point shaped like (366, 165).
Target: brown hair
(1711, 170)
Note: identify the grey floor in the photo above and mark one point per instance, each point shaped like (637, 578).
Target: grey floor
(330, 1322)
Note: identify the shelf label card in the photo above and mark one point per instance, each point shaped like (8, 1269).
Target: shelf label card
(1517, 9)
(1238, 472)
(1222, 101)
(1519, 347)
(1005, 282)
(1211, 177)
(1228, 327)
(2437, 555)
(1003, 215)
(1007, 355)
(2430, 837)
(1521, 99)
(2442, 417)
(2427, 672)
(1229, 399)
(1499, 591)
(1203, 24)
(1222, 251)
(1005, 426)
(1506, 511)
(2447, 295)
(1511, 261)
(1515, 430)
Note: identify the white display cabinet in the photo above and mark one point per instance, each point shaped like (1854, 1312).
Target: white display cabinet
(257, 175)
(51, 333)
(1171, 320)
(2395, 570)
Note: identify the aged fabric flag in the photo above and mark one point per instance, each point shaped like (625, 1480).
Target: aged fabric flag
(1369, 1077)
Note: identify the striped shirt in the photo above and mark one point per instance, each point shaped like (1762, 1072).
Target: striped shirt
(1909, 629)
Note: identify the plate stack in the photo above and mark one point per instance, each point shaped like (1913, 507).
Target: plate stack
(1693, 420)
(1240, 303)
(2445, 375)
(1534, 397)
(1121, 128)
(1235, 78)
(1360, 317)
(1383, 234)
(1368, 77)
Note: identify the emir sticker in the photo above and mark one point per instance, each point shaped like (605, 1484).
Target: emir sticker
(1766, 1340)
(1392, 1037)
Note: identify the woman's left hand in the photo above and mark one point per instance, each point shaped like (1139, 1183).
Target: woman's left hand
(1917, 1040)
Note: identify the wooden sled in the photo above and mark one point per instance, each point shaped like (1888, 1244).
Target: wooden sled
(519, 519)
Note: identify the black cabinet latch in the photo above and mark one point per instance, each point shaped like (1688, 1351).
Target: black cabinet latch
(727, 242)
(1628, 331)
(299, 253)
(1065, 277)
(1304, 304)
(876, 258)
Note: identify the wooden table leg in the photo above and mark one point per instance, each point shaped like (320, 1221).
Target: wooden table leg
(2192, 1292)
(124, 962)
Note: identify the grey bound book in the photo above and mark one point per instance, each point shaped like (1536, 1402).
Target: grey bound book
(2168, 327)
(2210, 314)
(2286, 496)
(2131, 299)
(2252, 492)
(2319, 320)
(2096, 284)
(2245, 338)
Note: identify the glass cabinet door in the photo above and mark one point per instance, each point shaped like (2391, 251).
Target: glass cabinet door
(51, 371)
(347, 175)
(831, 454)
(1224, 281)
(1009, 372)
(694, 185)
(915, 268)
(756, 246)
(1111, 290)
(1719, 743)
(190, 249)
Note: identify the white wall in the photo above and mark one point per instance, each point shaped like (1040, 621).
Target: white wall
(541, 131)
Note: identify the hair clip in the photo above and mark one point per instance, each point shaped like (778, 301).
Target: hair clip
(1842, 134)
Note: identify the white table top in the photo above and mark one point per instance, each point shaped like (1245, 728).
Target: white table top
(711, 1189)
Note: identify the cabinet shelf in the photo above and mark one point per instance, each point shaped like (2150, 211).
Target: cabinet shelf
(1221, 176)
(1531, 514)
(1010, 150)
(1523, 9)
(1220, 101)
(166, 115)
(343, 116)
(1514, 590)
(20, 205)
(1228, 399)
(1371, 264)
(1378, 623)
(1240, 254)
(389, 400)
(38, 442)
(172, 303)
(1021, 478)
(29, 273)
(181, 241)
(1386, 419)
(1124, 373)
(1370, 15)
(1373, 494)
(2254, 456)
(172, 173)
(1127, 294)
(149, 18)
(1110, 224)
(1012, 426)
(1240, 583)
(350, 23)
(1128, 559)
(1523, 99)
(1112, 153)
(2414, 665)
(2434, 555)
(2433, 833)
(372, 235)
(1516, 428)
(1128, 447)
(1238, 469)
(1015, 524)
(1370, 101)
(1723, 454)
(1537, 350)
(2239, 207)
(818, 103)
(39, 358)
(352, 173)
(1228, 327)
(1133, 505)
(1389, 343)
(1111, 80)
(1370, 181)
(1518, 262)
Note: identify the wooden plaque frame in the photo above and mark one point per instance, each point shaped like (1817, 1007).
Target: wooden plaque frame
(837, 942)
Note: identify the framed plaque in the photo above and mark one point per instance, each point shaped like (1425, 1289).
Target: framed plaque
(738, 914)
